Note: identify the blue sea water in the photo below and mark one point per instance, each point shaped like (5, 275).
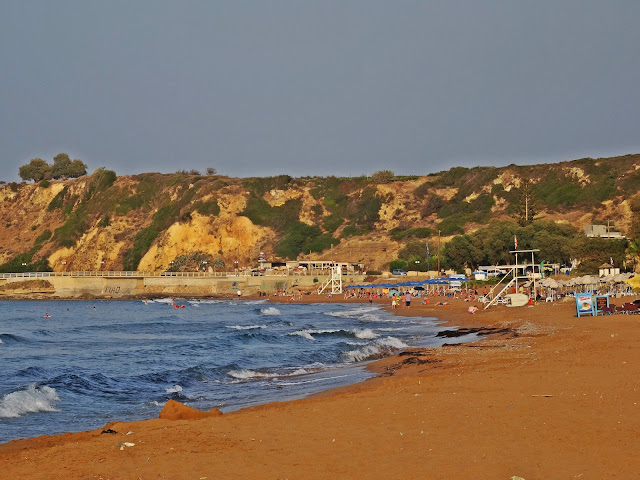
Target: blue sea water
(95, 362)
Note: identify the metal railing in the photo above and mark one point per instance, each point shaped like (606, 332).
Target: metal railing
(139, 274)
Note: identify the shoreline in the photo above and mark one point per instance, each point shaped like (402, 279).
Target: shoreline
(544, 395)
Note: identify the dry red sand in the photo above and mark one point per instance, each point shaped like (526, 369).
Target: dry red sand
(548, 396)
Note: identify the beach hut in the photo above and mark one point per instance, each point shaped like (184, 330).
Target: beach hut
(480, 275)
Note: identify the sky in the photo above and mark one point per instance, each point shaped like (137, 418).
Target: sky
(305, 88)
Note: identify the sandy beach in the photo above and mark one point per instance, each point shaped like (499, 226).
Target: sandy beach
(545, 395)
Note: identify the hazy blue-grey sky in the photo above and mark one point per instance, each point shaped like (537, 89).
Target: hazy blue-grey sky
(257, 88)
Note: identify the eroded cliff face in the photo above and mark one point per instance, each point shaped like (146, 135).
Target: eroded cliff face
(87, 224)
(227, 238)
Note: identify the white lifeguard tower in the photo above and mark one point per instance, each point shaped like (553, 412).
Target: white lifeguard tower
(335, 281)
(515, 273)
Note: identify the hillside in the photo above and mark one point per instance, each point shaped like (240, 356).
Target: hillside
(146, 221)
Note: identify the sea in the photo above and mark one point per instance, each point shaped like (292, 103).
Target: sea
(93, 362)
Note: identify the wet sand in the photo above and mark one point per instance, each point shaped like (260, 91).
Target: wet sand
(545, 395)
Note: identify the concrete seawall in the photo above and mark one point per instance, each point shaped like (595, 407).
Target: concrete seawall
(150, 286)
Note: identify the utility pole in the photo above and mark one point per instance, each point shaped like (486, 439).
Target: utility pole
(438, 252)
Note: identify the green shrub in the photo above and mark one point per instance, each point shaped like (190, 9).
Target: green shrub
(398, 264)
(260, 186)
(352, 231)
(15, 264)
(58, 201)
(100, 180)
(279, 218)
(332, 222)
(104, 221)
(300, 237)
(454, 224)
(317, 210)
(67, 209)
(209, 209)
(164, 217)
(75, 225)
(422, 189)
(419, 232)
(44, 183)
(383, 176)
(43, 237)
(141, 243)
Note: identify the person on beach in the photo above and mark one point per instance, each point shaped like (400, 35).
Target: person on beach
(393, 302)
(407, 299)
(239, 294)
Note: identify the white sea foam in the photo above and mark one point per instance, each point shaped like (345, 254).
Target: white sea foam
(379, 348)
(174, 389)
(31, 400)
(303, 333)
(365, 333)
(246, 374)
(312, 380)
(308, 334)
(245, 327)
(1, 341)
(392, 343)
(354, 312)
(161, 300)
(270, 311)
(255, 302)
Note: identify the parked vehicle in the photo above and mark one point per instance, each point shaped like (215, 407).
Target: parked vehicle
(399, 272)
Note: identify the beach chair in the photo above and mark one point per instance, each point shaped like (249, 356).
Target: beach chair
(608, 310)
(630, 308)
(619, 309)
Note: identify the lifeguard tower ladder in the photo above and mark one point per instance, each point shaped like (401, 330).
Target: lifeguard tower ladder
(500, 289)
(335, 281)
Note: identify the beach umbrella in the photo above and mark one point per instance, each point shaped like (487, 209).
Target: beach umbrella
(622, 277)
(634, 281)
(551, 283)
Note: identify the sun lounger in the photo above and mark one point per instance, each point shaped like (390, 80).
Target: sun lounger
(608, 310)
(630, 308)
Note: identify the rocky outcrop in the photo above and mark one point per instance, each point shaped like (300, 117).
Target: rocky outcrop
(178, 411)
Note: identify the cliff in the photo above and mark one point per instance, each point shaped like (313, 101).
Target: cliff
(148, 221)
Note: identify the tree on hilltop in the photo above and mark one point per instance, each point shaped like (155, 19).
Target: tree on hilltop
(383, 176)
(37, 169)
(63, 167)
(61, 164)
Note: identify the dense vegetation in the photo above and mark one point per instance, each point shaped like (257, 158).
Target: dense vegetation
(558, 243)
(63, 167)
(479, 210)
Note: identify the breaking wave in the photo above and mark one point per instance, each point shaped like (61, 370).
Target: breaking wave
(31, 400)
(246, 374)
(174, 389)
(380, 348)
(365, 333)
(270, 311)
